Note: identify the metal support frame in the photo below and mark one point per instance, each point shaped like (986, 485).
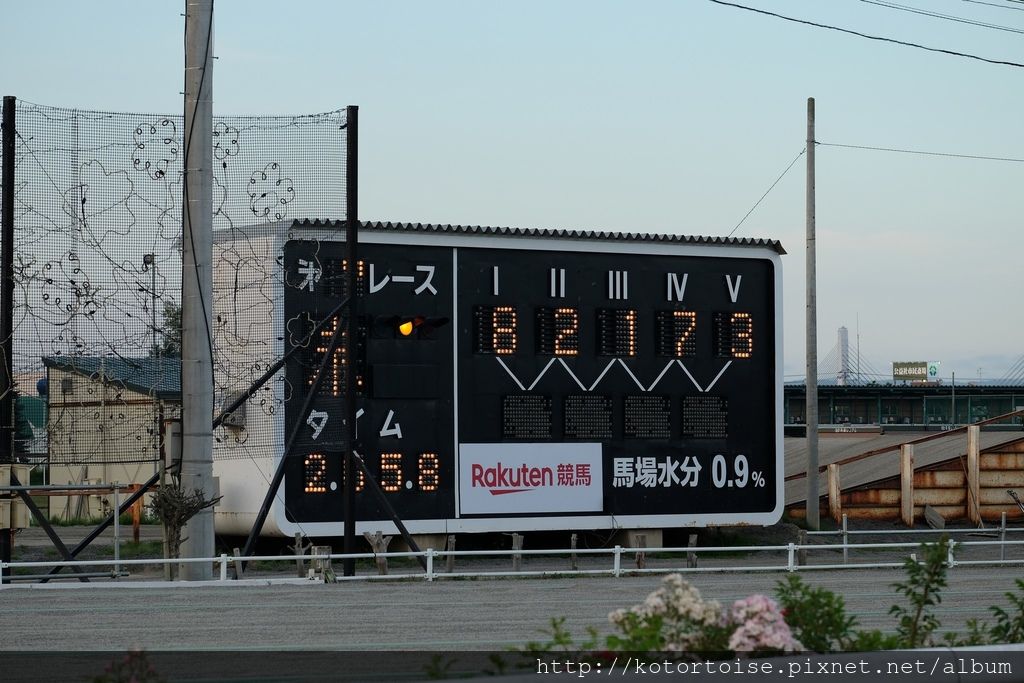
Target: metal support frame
(386, 504)
(154, 480)
(275, 482)
(44, 523)
(102, 526)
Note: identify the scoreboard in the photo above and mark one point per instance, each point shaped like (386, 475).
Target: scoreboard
(537, 381)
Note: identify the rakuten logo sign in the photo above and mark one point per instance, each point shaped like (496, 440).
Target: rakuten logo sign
(501, 479)
(530, 478)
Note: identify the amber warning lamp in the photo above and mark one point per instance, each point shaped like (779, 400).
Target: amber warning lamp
(419, 326)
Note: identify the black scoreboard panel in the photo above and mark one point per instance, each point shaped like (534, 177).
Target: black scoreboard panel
(529, 383)
(405, 386)
(668, 362)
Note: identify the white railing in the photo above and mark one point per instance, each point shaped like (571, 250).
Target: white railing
(845, 532)
(795, 560)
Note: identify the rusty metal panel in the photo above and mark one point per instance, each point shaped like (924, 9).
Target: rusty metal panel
(940, 497)
(998, 496)
(994, 513)
(1002, 461)
(1002, 479)
(873, 513)
(1014, 447)
(939, 479)
(881, 497)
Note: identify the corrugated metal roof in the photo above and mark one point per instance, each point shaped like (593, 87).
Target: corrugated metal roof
(835, 447)
(158, 376)
(549, 233)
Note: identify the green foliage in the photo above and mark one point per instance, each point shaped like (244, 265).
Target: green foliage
(170, 344)
(977, 634)
(559, 640)
(867, 641)
(1009, 626)
(816, 616)
(923, 590)
(173, 505)
(438, 668)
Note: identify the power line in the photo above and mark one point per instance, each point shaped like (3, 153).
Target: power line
(758, 202)
(939, 15)
(992, 4)
(869, 37)
(923, 153)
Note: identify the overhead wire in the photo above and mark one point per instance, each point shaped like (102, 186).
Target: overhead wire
(758, 202)
(905, 43)
(993, 4)
(939, 15)
(921, 152)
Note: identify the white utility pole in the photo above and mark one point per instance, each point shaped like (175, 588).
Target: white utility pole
(197, 284)
(812, 336)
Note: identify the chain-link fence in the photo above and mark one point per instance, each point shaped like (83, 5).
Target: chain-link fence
(97, 216)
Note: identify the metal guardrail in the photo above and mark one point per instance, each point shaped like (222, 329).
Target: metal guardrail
(845, 532)
(794, 554)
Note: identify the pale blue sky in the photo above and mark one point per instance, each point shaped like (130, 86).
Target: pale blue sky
(647, 117)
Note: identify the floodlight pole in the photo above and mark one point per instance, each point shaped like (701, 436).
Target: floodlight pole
(197, 285)
(812, 336)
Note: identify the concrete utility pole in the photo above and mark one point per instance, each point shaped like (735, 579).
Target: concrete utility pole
(812, 335)
(197, 285)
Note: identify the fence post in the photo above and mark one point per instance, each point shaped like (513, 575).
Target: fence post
(574, 563)
(517, 559)
(950, 560)
(974, 474)
(791, 557)
(801, 554)
(117, 529)
(379, 543)
(1002, 537)
(239, 565)
(846, 541)
(430, 564)
(449, 560)
(835, 492)
(617, 561)
(907, 484)
(299, 550)
(641, 556)
(223, 566)
(691, 557)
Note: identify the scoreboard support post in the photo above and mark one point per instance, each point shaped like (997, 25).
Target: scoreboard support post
(349, 417)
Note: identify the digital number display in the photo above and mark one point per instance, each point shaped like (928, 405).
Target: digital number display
(391, 472)
(616, 332)
(316, 473)
(558, 331)
(496, 330)
(676, 333)
(429, 471)
(734, 335)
